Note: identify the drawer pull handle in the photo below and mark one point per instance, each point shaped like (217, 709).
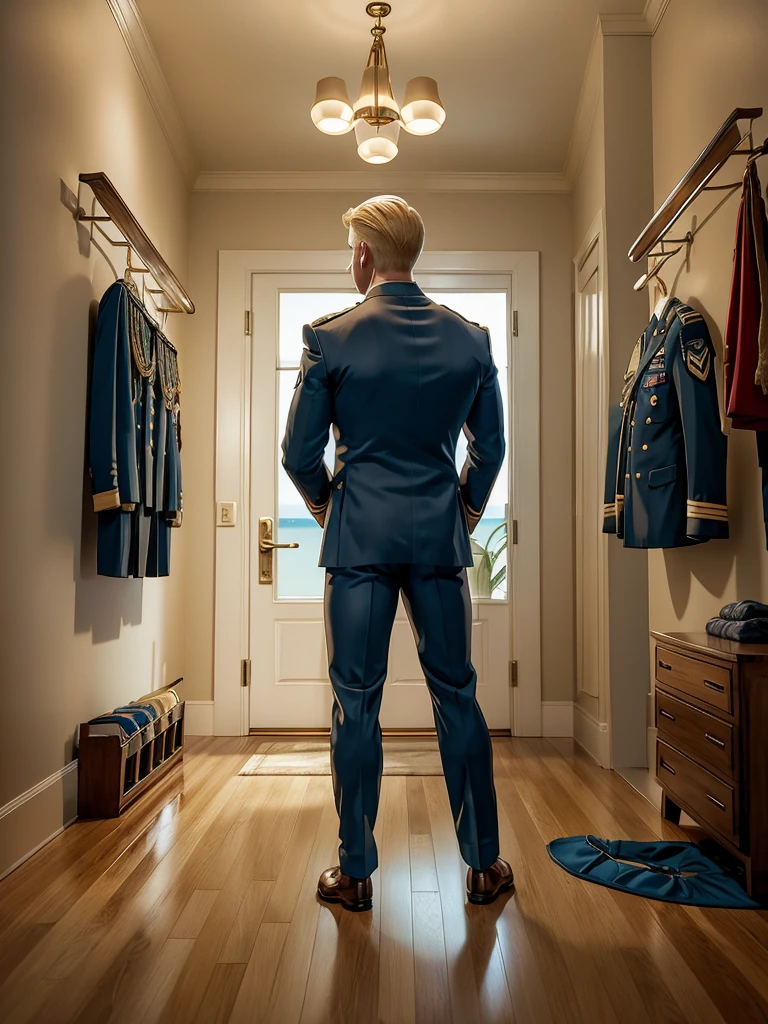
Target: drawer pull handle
(717, 803)
(715, 740)
(666, 714)
(669, 768)
(714, 686)
(663, 664)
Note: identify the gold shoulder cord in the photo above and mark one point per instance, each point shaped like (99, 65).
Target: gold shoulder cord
(141, 340)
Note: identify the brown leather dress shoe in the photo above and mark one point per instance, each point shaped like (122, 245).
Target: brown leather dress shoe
(354, 894)
(486, 886)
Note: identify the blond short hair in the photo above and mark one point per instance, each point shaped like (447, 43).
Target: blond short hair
(393, 231)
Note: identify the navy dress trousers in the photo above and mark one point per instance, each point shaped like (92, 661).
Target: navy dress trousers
(398, 377)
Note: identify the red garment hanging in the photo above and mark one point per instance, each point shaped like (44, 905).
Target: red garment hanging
(745, 402)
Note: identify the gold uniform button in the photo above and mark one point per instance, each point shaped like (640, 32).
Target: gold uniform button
(629, 447)
(632, 423)
(637, 475)
(645, 447)
(654, 399)
(649, 420)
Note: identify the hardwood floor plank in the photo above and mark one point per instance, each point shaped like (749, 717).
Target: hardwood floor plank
(290, 878)
(252, 1001)
(268, 864)
(476, 979)
(433, 1004)
(397, 997)
(194, 914)
(422, 854)
(242, 936)
(208, 947)
(287, 999)
(219, 998)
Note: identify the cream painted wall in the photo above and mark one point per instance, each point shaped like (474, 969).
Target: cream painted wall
(73, 645)
(615, 179)
(457, 221)
(728, 41)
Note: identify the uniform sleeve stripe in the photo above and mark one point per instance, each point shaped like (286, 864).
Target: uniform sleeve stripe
(705, 504)
(106, 499)
(719, 516)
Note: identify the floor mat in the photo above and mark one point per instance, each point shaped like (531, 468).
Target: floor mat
(401, 757)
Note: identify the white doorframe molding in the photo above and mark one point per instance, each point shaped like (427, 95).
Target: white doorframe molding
(593, 732)
(233, 419)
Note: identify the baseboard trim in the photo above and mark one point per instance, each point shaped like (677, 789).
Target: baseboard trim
(198, 717)
(35, 817)
(557, 718)
(592, 736)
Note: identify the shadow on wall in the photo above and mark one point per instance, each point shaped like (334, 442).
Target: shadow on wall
(102, 605)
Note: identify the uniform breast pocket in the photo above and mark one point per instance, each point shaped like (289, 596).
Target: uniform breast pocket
(662, 476)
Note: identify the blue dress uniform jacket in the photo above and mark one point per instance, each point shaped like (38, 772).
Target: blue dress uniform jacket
(666, 473)
(134, 460)
(398, 376)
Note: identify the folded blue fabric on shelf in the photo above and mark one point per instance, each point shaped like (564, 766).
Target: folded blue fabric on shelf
(671, 872)
(126, 724)
(739, 611)
(747, 631)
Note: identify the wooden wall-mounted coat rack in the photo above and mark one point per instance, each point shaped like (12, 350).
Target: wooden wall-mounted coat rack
(137, 240)
(724, 144)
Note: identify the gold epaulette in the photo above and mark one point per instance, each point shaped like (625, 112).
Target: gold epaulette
(332, 316)
(466, 321)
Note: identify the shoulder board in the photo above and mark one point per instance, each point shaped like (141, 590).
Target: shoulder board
(332, 316)
(473, 322)
(688, 315)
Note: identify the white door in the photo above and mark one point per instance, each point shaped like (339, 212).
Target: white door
(590, 471)
(289, 674)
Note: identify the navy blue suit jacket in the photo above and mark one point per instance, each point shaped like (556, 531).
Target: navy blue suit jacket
(398, 376)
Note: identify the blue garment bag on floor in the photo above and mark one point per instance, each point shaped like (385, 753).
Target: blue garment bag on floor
(671, 872)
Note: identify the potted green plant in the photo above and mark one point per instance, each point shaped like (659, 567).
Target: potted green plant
(482, 578)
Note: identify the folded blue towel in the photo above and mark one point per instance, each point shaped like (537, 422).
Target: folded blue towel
(739, 611)
(748, 631)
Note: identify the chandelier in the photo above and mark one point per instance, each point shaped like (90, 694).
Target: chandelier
(375, 116)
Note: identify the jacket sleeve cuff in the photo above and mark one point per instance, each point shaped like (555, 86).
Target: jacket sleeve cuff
(707, 519)
(609, 518)
(104, 500)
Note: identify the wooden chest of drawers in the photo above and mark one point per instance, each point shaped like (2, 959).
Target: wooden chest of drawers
(711, 713)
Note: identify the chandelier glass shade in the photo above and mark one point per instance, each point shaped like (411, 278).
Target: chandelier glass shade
(331, 111)
(375, 115)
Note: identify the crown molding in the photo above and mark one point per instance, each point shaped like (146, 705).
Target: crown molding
(654, 12)
(624, 24)
(371, 181)
(136, 38)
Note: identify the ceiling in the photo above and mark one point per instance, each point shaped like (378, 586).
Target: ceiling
(242, 74)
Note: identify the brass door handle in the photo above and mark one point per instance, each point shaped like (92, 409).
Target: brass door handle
(269, 545)
(266, 547)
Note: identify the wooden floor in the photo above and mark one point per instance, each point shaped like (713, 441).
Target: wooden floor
(198, 906)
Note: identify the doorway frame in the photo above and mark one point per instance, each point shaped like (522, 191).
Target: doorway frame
(592, 716)
(232, 544)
